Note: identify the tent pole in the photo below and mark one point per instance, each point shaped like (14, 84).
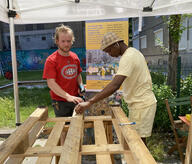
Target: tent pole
(14, 64)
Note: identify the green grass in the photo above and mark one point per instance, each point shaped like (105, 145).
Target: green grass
(30, 75)
(23, 76)
(156, 146)
(30, 99)
(4, 81)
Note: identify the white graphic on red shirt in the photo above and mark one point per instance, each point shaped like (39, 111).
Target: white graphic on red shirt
(69, 71)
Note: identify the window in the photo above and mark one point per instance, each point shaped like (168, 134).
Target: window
(190, 33)
(135, 27)
(40, 27)
(158, 37)
(29, 27)
(136, 43)
(183, 39)
(143, 40)
(43, 38)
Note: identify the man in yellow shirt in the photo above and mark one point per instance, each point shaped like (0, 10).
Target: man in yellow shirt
(136, 82)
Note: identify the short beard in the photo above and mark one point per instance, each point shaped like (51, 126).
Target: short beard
(63, 50)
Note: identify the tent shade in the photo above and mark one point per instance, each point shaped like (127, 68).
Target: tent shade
(48, 11)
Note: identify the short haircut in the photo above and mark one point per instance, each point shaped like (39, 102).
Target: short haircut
(64, 29)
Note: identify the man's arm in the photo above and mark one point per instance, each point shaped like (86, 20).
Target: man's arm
(79, 79)
(107, 91)
(113, 86)
(60, 92)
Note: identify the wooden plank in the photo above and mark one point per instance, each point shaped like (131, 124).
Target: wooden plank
(127, 156)
(48, 151)
(121, 139)
(52, 140)
(117, 130)
(139, 151)
(45, 151)
(59, 119)
(100, 138)
(102, 149)
(10, 144)
(31, 138)
(94, 118)
(188, 156)
(70, 150)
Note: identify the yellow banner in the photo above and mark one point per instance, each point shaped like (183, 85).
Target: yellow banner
(101, 67)
(96, 30)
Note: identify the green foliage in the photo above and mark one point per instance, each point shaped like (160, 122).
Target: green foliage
(186, 86)
(30, 99)
(165, 50)
(124, 106)
(156, 147)
(186, 90)
(7, 111)
(161, 121)
(158, 78)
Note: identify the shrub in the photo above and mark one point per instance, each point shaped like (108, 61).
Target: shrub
(158, 78)
(161, 121)
(186, 86)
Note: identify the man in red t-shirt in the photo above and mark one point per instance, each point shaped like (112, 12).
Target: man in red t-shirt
(63, 73)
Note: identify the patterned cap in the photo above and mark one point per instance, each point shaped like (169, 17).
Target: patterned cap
(109, 39)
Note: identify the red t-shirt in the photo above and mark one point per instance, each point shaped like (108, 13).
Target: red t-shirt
(65, 70)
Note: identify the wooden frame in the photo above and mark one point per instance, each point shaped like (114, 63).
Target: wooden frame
(130, 146)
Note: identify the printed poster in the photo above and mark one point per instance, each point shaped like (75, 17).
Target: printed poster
(100, 67)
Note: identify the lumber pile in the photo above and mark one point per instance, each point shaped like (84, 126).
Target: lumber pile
(19, 145)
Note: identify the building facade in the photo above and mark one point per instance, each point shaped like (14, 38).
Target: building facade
(39, 36)
(153, 42)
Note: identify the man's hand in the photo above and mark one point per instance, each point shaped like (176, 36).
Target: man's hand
(74, 99)
(81, 107)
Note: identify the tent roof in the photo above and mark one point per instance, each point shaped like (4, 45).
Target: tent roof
(47, 11)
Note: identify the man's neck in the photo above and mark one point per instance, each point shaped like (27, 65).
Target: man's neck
(124, 47)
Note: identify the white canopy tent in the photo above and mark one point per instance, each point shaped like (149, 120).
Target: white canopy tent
(48, 11)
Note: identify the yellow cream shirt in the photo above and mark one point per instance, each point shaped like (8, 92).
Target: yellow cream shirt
(137, 86)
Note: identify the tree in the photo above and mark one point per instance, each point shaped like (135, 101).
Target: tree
(176, 28)
(175, 32)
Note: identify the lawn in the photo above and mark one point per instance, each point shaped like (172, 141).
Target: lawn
(29, 100)
(23, 76)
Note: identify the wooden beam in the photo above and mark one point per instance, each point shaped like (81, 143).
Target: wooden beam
(71, 147)
(52, 140)
(59, 119)
(49, 151)
(100, 138)
(32, 135)
(46, 151)
(102, 149)
(94, 118)
(121, 139)
(139, 151)
(10, 144)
